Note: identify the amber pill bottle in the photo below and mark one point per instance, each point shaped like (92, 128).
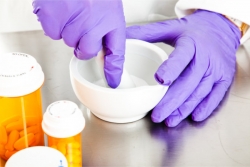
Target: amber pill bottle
(21, 79)
(63, 123)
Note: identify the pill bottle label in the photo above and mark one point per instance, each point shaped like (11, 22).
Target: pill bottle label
(70, 147)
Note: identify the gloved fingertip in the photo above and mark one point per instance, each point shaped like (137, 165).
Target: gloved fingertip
(78, 54)
(159, 113)
(161, 81)
(113, 69)
(83, 55)
(198, 116)
(113, 84)
(113, 78)
(155, 119)
(169, 122)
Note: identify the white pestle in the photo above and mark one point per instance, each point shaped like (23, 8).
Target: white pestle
(126, 81)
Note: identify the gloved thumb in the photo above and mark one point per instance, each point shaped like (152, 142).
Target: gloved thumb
(165, 31)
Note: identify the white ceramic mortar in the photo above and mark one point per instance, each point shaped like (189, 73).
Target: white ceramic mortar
(142, 59)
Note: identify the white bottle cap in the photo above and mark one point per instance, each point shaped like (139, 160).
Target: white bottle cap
(38, 156)
(20, 74)
(63, 119)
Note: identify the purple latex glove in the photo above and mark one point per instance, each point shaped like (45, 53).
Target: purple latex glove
(199, 70)
(88, 25)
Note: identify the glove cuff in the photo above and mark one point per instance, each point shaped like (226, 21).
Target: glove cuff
(241, 25)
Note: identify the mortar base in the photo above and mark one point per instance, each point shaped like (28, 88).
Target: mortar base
(120, 120)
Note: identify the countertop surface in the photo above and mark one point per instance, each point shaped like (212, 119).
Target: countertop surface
(222, 140)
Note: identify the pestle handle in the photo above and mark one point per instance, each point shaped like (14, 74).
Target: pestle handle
(126, 81)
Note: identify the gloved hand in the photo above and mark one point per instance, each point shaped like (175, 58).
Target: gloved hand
(87, 25)
(199, 70)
